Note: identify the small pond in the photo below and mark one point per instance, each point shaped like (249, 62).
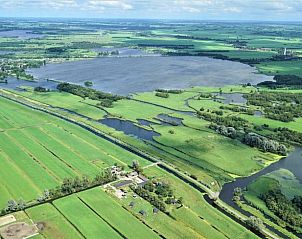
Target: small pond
(129, 128)
(232, 98)
(169, 120)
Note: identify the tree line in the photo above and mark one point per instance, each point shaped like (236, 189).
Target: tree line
(68, 186)
(283, 80)
(106, 99)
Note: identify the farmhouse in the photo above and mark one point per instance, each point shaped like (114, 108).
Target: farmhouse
(123, 183)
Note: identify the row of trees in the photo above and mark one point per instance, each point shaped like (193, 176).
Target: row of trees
(238, 109)
(228, 121)
(93, 94)
(68, 186)
(251, 139)
(175, 91)
(264, 144)
(283, 80)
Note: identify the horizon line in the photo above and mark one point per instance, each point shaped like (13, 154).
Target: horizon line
(149, 19)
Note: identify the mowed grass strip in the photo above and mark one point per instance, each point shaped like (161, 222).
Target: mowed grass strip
(81, 147)
(21, 116)
(10, 174)
(105, 146)
(28, 165)
(79, 165)
(53, 222)
(84, 219)
(53, 164)
(197, 223)
(116, 215)
(5, 194)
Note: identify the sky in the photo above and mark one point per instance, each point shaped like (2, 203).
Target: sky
(268, 10)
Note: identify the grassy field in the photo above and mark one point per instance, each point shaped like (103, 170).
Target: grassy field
(281, 67)
(91, 225)
(175, 101)
(101, 215)
(54, 224)
(197, 213)
(115, 214)
(206, 146)
(68, 101)
(39, 151)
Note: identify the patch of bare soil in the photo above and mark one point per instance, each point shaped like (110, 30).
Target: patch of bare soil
(18, 231)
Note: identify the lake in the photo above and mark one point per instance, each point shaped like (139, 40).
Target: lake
(22, 34)
(125, 75)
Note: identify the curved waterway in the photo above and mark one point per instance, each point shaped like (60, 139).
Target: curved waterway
(292, 163)
(125, 75)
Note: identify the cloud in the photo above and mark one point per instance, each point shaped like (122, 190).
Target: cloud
(103, 4)
(202, 9)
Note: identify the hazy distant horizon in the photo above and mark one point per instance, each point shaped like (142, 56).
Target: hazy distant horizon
(154, 19)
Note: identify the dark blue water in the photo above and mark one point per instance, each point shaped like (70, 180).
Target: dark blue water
(124, 75)
(292, 163)
(129, 128)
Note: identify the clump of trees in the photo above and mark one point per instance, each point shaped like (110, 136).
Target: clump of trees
(88, 83)
(237, 194)
(278, 105)
(136, 167)
(158, 193)
(205, 96)
(223, 130)
(287, 210)
(84, 92)
(162, 94)
(265, 144)
(255, 223)
(287, 135)
(40, 89)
